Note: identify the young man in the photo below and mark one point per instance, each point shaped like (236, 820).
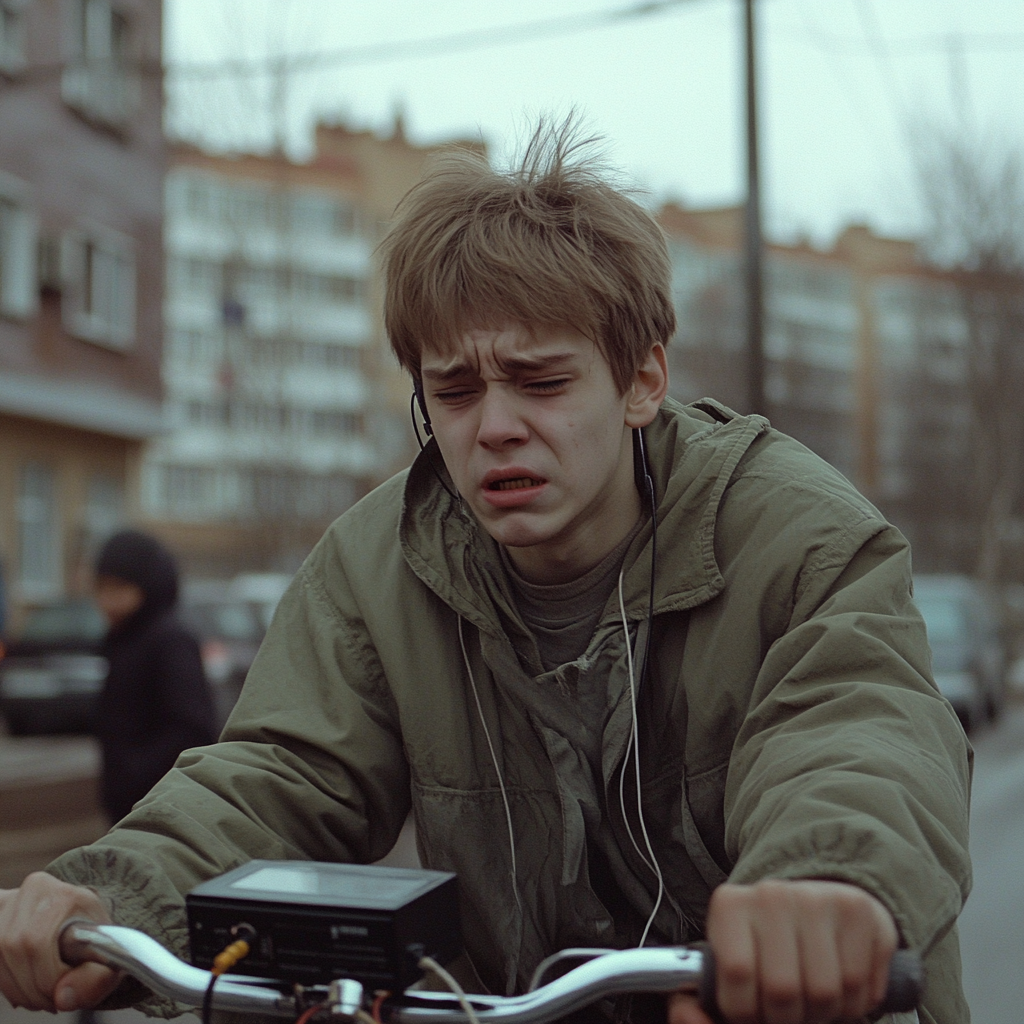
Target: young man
(721, 727)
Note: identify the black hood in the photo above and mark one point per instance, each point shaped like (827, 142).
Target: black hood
(140, 559)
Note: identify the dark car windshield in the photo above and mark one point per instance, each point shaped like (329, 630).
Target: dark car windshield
(71, 620)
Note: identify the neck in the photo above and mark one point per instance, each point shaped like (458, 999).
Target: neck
(564, 562)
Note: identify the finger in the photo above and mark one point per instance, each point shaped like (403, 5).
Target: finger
(31, 919)
(731, 936)
(42, 917)
(821, 972)
(683, 1008)
(85, 986)
(779, 971)
(867, 939)
(12, 989)
(18, 961)
(885, 944)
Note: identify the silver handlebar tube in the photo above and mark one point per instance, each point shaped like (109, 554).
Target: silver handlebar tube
(126, 949)
(655, 969)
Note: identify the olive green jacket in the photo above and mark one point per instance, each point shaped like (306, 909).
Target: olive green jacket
(789, 726)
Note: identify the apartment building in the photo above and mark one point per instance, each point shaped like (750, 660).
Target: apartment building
(865, 360)
(81, 268)
(285, 404)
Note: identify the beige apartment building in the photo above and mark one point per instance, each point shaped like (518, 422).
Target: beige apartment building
(865, 359)
(81, 278)
(284, 400)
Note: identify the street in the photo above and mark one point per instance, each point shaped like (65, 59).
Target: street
(992, 924)
(991, 927)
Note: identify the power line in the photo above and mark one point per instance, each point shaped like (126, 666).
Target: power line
(379, 53)
(932, 42)
(876, 40)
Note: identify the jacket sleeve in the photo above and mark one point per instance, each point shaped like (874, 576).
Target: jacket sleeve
(848, 763)
(310, 766)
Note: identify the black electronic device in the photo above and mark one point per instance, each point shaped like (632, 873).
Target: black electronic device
(312, 922)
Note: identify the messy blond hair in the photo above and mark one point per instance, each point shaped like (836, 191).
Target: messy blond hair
(551, 243)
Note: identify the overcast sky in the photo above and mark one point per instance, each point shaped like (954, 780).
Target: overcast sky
(846, 86)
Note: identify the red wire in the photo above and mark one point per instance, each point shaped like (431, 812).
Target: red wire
(378, 1002)
(307, 1014)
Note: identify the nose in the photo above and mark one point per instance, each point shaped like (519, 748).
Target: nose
(501, 425)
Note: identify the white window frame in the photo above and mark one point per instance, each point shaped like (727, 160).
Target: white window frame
(12, 35)
(99, 81)
(19, 250)
(98, 270)
(40, 558)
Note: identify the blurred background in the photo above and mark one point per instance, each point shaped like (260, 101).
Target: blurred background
(191, 339)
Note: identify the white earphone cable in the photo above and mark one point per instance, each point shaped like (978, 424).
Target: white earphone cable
(634, 743)
(497, 769)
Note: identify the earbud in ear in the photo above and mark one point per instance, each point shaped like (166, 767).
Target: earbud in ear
(417, 389)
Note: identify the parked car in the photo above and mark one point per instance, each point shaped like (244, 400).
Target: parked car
(262, 590)
(229, 631)
(51, 673)
(969, 654)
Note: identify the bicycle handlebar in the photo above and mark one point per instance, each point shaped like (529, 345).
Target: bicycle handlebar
(652, 969)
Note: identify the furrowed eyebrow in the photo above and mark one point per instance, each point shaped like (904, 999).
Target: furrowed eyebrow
(527, 364)
(534, 363)
(452, 372)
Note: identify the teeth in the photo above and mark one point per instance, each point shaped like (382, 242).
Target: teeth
(511, 485)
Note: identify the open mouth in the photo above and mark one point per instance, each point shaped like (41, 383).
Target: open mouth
(514, 484)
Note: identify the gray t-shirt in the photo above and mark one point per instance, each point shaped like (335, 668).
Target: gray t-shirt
(571, 704)
(562, 616)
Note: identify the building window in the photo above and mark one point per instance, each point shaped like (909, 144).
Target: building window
(99, 80)
(12, 35)
(207, 414)
(19, 244)
(331, 423)
(246, 207)
(317, 213)
(104, 511)
(187, 275)
(188, 492)
(99, 293)
(39, 555)
(324, 288)
(200, 199)
(330, 355)
(193, 348)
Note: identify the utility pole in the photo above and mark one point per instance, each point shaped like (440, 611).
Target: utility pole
(752, 221)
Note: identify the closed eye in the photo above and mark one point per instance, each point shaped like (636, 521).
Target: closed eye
(547, 385)
(454, 395)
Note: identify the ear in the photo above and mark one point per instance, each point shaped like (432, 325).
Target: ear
(649, 388)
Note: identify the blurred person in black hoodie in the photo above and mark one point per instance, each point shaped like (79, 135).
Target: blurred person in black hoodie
(157, 701)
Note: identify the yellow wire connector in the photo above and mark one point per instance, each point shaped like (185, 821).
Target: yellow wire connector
(238, 950)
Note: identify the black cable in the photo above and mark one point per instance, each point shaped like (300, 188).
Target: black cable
(648, 484)
(208, 999)
(423, 448)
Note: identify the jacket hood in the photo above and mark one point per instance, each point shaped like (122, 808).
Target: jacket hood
(138, 558)
(448, 549)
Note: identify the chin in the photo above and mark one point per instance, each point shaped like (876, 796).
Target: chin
(518, 536)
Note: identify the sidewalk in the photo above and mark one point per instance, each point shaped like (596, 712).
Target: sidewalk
(48, 801)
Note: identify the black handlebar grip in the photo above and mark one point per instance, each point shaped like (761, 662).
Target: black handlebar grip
(903, 993)
(906, 982)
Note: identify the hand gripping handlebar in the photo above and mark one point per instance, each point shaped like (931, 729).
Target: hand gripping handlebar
(652, 969)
